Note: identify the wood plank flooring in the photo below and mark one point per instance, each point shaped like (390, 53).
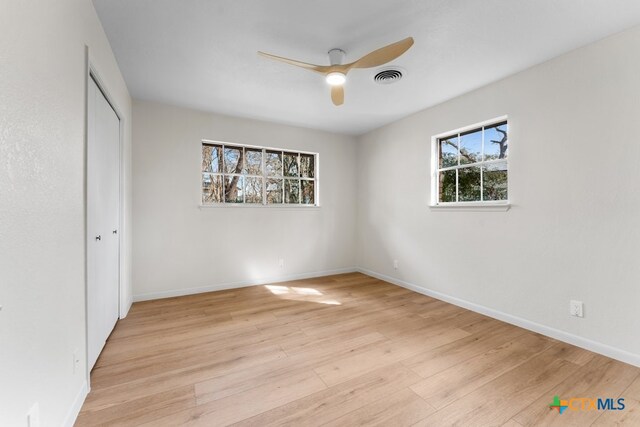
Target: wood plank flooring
(341, 350)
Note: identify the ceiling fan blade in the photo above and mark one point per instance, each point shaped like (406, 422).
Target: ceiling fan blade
(322, 69)
(337, 95)
(383, 55)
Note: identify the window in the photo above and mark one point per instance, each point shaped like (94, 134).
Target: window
(236, 174)
(471, 165)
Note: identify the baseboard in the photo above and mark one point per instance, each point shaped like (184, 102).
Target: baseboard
(126, 307)
(239, 284)
(587, 344)
(72, 415)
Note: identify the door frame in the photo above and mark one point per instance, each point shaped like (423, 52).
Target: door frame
(91, 72)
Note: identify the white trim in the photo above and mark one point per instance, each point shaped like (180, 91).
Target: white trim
(91, 72)
(95, 75)
(596, 347)
(74, 410)
(222, 174)
(257, 206)
(239, 284)
(123, 304)
(435, 155)
(127, 307)
(473, 126)
(261, 147)
(473, 206)
(475, 164)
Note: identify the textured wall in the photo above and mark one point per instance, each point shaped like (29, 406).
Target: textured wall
(179, 247)
(572, 232)
(42, 249)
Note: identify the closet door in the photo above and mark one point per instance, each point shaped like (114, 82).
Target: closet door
(103, 211)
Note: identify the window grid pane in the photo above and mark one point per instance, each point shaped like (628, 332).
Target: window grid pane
(496, 142)
(212, 190)
(448, 186)
(495, 181)
(212, 158)
(235, 174)
(307, 191)
(472, 165)
(274, 190)
(448, 151)
(290, 164)
(253, 162)
(307, 165)
(470, 147)
(291, 191)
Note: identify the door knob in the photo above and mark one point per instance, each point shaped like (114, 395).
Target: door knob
(98, 237)
(115, 231)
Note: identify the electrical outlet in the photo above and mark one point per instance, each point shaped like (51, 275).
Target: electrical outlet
(33, 416)
(281, 262)
(395, 264)
(576, 308)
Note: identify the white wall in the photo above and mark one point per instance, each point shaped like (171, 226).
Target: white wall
(573, 231)
(180, 248)
(42, 249)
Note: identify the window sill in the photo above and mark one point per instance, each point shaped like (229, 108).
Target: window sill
(479, 207)
(253, 206)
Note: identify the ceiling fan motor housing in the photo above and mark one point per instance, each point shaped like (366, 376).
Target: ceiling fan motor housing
(336, 56)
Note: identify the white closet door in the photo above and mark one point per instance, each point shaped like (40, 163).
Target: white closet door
(103, 196)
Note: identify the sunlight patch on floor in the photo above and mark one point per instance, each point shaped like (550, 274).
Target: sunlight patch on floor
(301, 294)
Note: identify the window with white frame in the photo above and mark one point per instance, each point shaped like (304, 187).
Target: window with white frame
(241, 174)
(471, 165)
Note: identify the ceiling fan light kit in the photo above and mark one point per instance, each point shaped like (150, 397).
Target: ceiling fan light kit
(336, 73)
(336, 78)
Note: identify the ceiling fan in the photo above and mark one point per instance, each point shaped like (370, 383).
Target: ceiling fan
(336, 73)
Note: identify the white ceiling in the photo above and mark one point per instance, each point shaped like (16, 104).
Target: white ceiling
(202, 53)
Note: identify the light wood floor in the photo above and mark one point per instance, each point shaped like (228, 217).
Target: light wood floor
(342, 350)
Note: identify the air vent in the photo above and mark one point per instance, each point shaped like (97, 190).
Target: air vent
(388, 75)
